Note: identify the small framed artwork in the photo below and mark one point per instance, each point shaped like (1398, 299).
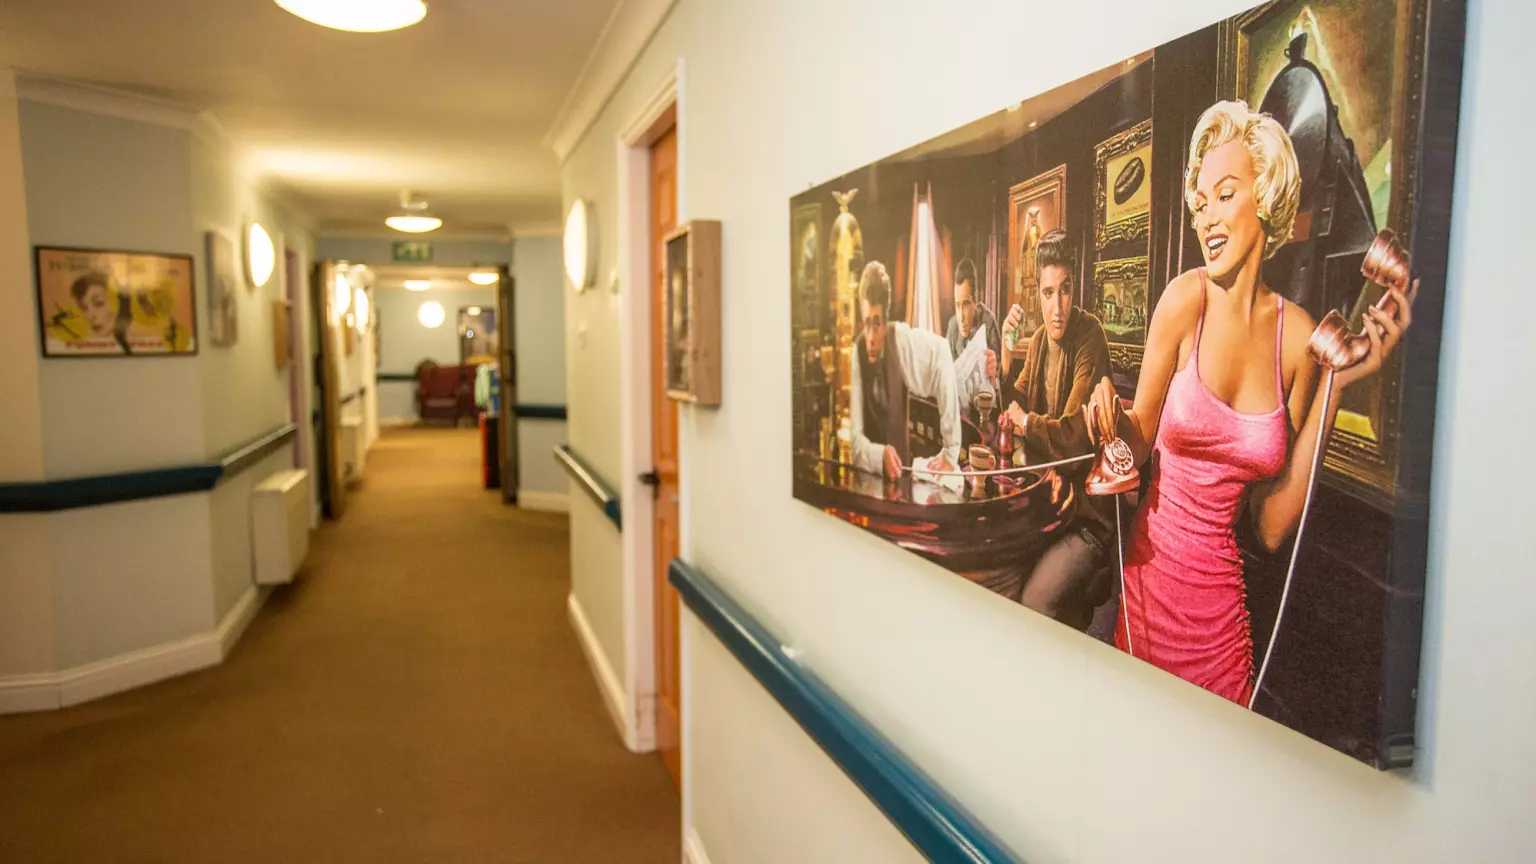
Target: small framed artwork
(223, 299)
(1036, 207)
(98, 303)
(282, 333)
(1122, 190)
(691, 313)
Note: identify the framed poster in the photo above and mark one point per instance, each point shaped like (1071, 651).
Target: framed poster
(1280, 159)
(99, 303)
(691, 313)
(223, 298)
(1036, 207)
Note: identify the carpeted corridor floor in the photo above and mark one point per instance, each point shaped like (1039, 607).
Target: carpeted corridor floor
(417, 696)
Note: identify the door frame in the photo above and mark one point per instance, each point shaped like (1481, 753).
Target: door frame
(667, 101)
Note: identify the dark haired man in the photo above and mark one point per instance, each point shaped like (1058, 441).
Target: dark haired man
(1065, 358)
(893, 362)
(970, 316)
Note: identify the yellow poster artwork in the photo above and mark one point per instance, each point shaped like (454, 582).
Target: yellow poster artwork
(94, 303)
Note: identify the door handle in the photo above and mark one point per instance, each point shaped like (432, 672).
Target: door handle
(651, 478)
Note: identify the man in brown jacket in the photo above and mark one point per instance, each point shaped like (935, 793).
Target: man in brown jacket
(1066, 358)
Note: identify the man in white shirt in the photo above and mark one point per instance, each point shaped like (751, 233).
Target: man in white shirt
(892, 362)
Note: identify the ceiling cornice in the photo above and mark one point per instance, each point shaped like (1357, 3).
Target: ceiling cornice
(106, 101)
(628, 30)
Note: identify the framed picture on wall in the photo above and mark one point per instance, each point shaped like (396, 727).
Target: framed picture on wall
(691, 313)
(223, 296)
(1036, 207)
(1328, 127)
(100, 303)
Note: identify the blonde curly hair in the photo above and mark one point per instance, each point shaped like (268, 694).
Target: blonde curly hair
(1277, 181)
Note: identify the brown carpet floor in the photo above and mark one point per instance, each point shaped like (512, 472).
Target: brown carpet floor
(417, 696)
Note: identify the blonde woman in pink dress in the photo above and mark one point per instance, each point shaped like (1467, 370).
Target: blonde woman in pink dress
(1224, 407)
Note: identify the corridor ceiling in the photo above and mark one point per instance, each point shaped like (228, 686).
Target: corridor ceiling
(453, 108)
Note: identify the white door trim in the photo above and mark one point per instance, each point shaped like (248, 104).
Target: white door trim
(634, 257)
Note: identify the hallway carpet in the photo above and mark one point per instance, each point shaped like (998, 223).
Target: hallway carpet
(417, 696)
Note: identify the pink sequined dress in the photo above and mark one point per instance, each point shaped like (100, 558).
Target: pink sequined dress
(1184, 592)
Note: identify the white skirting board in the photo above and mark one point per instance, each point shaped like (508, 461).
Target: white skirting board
(533, 499)
(693, 849)
(47, 691)
(614, 697)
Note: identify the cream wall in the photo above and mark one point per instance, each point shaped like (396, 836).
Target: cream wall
(98, 598)
(244, 394)
(538, 276)
(1065, 748)
(21, 436)
(26, 593)
(105, 182)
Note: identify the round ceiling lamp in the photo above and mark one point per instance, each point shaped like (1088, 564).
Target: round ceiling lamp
(413, 217)
(357, 16)
(487, 277)
(417, 284)
(260, 255)
(581, 245)
(431, 314)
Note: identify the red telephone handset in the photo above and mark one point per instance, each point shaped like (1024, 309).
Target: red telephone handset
(1387, 264)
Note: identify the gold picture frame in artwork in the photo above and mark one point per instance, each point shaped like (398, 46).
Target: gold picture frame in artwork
(1035, 207)
(1120, 286)
(1122, 188)
(691, 313)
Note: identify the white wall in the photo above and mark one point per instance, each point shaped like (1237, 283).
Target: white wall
(26, 593)
(244, 393)
(538, 274)
(1067, 749)
(112, 183)
(89, 587)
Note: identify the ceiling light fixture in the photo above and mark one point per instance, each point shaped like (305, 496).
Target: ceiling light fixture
(413, 217)
(373, 16)
(487, 277)
(417, 284)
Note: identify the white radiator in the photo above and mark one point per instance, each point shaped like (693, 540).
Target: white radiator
(280, 525)
(354, 448)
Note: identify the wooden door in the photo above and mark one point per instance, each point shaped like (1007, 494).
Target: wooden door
(328, 383)
(664, 460)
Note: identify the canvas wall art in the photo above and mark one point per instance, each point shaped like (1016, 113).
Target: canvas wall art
(223, 290)
(1154, 354)
(98, 303)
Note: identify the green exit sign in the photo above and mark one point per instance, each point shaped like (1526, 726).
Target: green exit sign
(412, 251)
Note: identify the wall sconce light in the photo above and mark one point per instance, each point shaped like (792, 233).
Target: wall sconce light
(431, 314)
(260, 255)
